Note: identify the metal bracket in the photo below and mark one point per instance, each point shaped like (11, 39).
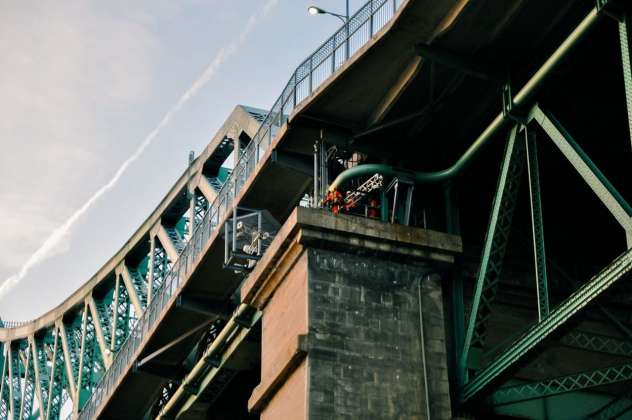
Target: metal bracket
(611, 8)
(509, 110)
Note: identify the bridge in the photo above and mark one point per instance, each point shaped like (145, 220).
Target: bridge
(373, 245)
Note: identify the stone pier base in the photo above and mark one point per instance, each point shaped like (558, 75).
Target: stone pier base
(353, 323)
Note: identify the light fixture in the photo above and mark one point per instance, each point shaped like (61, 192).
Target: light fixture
(313, 10)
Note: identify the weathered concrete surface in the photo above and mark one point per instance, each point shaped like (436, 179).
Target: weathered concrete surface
(353, 322)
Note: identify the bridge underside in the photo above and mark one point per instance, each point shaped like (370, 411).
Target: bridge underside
(536, 307)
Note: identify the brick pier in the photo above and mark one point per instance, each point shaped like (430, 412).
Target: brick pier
(353, 320)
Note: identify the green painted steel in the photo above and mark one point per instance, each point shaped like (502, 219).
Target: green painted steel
(616, 270)
(522, 99)
(625, 27)
(537, 224)
(562, 384)
(597, 181)
(496, 240)
(598, 343)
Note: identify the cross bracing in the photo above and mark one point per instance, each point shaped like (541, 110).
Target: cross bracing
(88, 348)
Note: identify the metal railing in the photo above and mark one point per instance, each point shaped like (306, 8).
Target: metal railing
(309, 75)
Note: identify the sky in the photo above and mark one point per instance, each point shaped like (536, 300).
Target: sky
(101, 103)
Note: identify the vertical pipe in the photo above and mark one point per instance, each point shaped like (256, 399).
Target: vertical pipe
(394, 201)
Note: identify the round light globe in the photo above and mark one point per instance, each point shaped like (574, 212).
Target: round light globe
(313, 10)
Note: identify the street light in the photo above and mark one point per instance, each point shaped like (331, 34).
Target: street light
(314, 10)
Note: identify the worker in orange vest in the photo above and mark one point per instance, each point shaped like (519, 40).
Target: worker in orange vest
(372, 211)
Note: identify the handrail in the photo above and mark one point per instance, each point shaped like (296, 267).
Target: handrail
(323, 63)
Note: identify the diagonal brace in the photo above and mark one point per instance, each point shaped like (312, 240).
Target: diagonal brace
(494, 249)
(562, 384)
(597, 181)
(616, 270)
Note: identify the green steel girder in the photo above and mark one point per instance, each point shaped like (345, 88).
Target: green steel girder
(625, 29)
(586, 294)
(537, 224)
(596, 180)
(201, 205)
(597, 343)
(123, 317)
(15, 371)
(161, 266)
(494, 250)
(28, 392)
(563, 384)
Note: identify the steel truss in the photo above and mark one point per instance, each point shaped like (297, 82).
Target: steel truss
(562, 384)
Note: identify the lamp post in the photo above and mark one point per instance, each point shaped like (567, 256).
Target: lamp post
(314, 10)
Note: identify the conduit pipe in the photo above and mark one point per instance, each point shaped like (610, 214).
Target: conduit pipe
(522, 98)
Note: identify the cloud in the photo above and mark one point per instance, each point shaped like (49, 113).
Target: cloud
(60, 235)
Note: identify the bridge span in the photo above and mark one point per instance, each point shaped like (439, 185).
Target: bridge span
(373, 246)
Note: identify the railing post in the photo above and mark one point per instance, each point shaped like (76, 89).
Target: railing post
(295, 89)
(371, 19)
(311, 59)
(333, 54)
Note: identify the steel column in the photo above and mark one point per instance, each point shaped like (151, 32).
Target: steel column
(586, 294)
(131, 291)
(51, 379)
(38, 376)
(494, 250)
(533, 173)
(105, 353)
(67, 362)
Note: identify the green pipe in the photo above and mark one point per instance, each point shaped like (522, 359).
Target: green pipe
(523, 97)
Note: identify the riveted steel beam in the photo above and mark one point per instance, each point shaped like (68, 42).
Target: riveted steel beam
(494, 249)
(36, 370)
(66, 350)
(537, 224)
(586, 294)
(597, 343)
(625, 37)
(597, 181)
(103, 345)
(562, 384)
(51, 379)
(123, 271)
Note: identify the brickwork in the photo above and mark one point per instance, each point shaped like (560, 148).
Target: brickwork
(364, 343)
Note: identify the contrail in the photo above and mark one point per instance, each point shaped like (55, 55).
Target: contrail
(49, 245)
